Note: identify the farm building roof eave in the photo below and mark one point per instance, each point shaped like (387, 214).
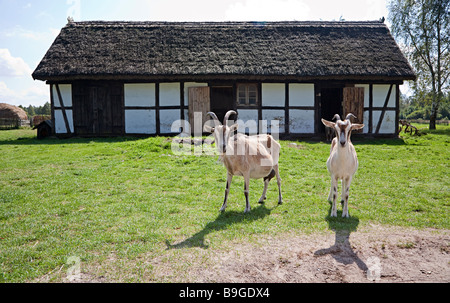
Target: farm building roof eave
(264, 50)
(223, 77)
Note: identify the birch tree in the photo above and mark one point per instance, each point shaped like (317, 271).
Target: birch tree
(423, 28)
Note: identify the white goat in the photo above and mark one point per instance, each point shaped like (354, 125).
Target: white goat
(343, 161)
(253, 157)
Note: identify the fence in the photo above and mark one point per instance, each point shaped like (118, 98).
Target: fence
(444, 122)
(8, 123)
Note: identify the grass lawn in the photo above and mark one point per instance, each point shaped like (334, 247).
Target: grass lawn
(124, 197)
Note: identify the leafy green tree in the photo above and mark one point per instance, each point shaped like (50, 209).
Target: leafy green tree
(423, 28)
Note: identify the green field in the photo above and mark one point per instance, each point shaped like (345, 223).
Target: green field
(126, 197)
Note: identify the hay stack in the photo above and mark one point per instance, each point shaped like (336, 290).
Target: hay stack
(8, 111)
(12, 116)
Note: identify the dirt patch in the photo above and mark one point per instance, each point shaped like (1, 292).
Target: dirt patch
(376, 254)
(372, 254)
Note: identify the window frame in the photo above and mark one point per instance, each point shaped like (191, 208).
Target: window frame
(247, 87)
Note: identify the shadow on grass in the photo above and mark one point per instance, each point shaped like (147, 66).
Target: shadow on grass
(342, 250)
(28, 140)
(223, 221)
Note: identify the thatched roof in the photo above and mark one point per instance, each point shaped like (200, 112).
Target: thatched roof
(8, 111)
(238, 50)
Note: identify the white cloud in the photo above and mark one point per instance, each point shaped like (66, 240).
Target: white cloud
(268, 10)
(20, 32)
(12, 66)
(34, 93)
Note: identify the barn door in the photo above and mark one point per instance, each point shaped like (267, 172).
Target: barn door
(353, 102)
(107, 108)
(98, 108)
(199, 102)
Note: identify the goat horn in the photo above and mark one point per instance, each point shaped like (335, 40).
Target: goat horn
(350, 116)
(227, 116)
(214, 117)
(337, 117)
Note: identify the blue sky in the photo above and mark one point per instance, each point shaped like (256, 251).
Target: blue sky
(28, 27)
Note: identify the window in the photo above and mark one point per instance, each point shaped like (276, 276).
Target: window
(247, 95)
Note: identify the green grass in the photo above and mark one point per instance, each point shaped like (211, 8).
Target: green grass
(126, 197)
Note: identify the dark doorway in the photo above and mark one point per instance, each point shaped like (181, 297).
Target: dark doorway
(222, 100)
(331, 104)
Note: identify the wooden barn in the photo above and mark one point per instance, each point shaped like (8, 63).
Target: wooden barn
(138, 78)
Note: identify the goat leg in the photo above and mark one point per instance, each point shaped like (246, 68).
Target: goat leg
(227, 191)
(334, 191)
(266, 185)
(347, 192)
(330, 196)
(246, 192)
(280, 197)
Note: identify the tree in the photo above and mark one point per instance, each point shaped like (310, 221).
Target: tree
(423, 27)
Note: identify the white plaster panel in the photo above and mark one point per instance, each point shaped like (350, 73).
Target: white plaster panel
(301, 94)
(380, 93)
(167, 118)
(140, 121)
(273, 115)
(66, 94)
(248, 121)
(388, 124)
(186, 90)
(273, 94)
(139, 94)
(301, 121)
(366, 93)
(60, 125)
(366, 124)
(169, 94)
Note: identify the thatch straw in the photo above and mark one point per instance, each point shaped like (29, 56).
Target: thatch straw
(298, 50)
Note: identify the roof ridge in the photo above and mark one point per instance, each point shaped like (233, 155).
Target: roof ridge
(367, 23)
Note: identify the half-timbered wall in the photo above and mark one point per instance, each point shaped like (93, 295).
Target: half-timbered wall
(140, 108)
(301, 108)
(380, 108)
(273, 96)
(62, 108)
(83, 108)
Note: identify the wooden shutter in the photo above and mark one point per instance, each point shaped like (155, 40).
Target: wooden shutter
(354, 103)
(199, 101)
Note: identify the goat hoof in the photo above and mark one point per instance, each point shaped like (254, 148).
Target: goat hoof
(261, 202)
(280, 202)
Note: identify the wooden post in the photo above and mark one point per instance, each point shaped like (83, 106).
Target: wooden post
(370, 108)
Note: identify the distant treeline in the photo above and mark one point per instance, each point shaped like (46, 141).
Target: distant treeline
(418, 106)
(32, 111)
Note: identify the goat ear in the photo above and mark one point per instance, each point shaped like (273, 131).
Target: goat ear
(357, 126)
(328, 123)
(208, 129)
(210, 126)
